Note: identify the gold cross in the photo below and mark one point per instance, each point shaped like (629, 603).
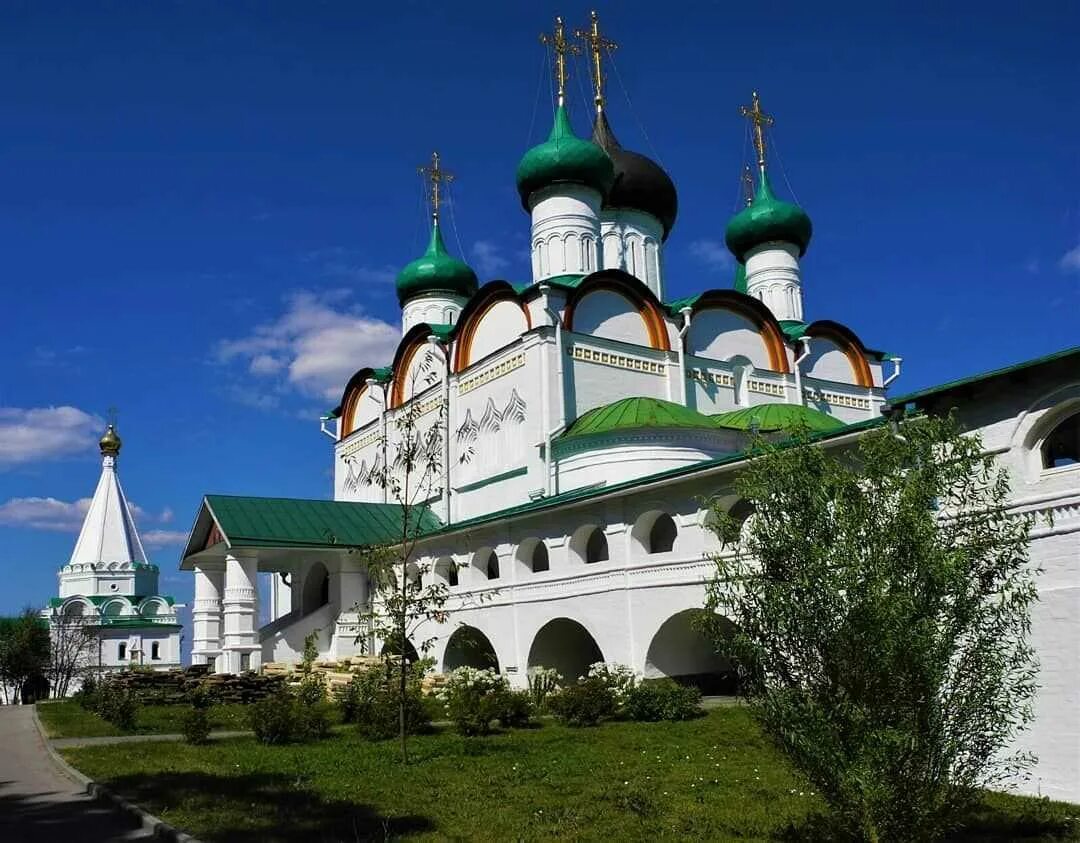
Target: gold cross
(748, 185)
(759, 119)
(559, 46)
(597, 43)
(437, 176)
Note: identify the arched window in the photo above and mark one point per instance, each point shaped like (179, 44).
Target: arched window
(596, 549)
(492, 567)
(155, 651)
(121, 651)
(1062, 446)
(540, 560)
(446, 571)
(662, 535)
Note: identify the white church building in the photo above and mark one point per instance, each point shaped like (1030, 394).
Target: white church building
(588, 417)
(110, 588)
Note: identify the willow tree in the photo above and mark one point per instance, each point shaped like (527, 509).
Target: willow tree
(881, 594)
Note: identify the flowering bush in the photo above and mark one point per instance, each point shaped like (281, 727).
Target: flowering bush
(543, 681)
(618, 678)
(473, 698)
(515, 709)
(663, 699)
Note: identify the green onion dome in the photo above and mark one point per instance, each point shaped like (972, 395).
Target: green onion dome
(564, 158)
(767, 220)
(436, 271)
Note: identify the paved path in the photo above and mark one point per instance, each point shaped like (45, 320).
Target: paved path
(38, 804)
(74, 743)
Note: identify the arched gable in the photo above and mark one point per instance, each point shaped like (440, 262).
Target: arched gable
(492, 319)
(837, 354)
(351, 398)
(615, 305)
(727, 323)
(413, 355)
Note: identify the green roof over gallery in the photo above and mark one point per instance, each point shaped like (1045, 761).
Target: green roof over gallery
(635, 414)
(769, 418)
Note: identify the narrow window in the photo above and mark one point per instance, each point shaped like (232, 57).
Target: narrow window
(596, 548)
(1062, 446)
(540, 558)
(122, 651)
(662, 535)
(155, 651)
(492, 566)
(245, 662)
(451, 574)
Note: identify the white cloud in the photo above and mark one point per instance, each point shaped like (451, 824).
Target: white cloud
(489, 257)
(45, 514)
(1070, 261)
(40, 433)
(712, 253)
(59, 516)
(162, 538)
(316, 344)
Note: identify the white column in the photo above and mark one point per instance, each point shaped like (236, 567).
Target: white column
(206, 616)
(349, 591)
(241, 613)
(772, 276)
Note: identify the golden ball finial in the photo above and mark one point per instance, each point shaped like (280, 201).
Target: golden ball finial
(110, 442)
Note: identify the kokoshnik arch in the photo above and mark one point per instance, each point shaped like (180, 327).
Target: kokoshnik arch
(587, 416)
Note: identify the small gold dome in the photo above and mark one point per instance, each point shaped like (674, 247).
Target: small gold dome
(110, 442)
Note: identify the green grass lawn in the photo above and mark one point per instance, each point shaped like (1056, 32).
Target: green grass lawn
(67, 719)
(710, 779)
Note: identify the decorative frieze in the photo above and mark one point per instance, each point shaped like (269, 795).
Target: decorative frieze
(767, 388)
(717, 378)
(497, 371)
(837, 399)
(359, 444)
(619, 361)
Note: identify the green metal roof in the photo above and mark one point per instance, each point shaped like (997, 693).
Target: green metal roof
(287, 522)
(569, 281)
(636, 413)
(793, 328)
(772, 417)
(941, 389)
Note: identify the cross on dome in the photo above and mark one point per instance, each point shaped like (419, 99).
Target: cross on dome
(759, 120)
(597, 44)
(560, 47)
(437, 176)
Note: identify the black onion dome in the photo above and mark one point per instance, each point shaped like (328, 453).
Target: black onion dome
(640, 183)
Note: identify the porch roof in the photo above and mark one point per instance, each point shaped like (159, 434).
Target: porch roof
(250, 522)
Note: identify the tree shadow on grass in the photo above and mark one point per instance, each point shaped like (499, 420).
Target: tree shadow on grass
(1033, 821)
(263, 807)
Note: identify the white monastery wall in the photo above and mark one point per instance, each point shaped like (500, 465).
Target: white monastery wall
(611, 315)
(720, 334)
(604, 371)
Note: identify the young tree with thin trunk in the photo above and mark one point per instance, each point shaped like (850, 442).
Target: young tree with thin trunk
(74, 642)
(24, 652)
(881, 595)
(405, 599)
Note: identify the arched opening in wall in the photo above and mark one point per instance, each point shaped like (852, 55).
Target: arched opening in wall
(412, 577)
(155, 651)
(74, 610)
(492, 566)
(113, 609)
(681, 650)
(486, 562)
(654, 532)
(1062, 447)
(469, 647)
(532, 556)
(316, 588)
(566, 646)
(151, 609)
(589, 545)
(392, 647)
(446, 572)
(540, 560)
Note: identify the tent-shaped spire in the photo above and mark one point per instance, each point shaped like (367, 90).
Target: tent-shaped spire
(108, 532)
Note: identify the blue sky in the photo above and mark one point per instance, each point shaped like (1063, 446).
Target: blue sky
(203, 207)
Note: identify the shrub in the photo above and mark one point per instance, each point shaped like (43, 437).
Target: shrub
(584, 704)
(474, 698)
(313, 720)
(515, 709)
(543, 681)
(662, 699)
(375, 695)
(273, 719)
(350, 698)
(619, 679)
(312, 690)
(118, 705)
(86, 696)
(195, 725)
